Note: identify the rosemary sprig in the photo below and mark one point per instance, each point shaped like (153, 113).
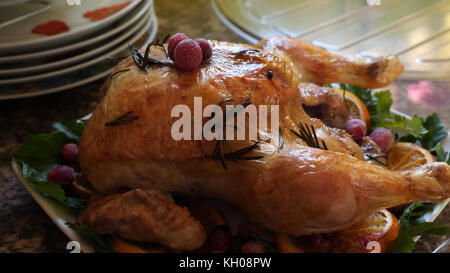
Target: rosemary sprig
(225, 101)
(146, 60)
(375, 157)
(309, 136)
(234, 156)
(242, 52)
(123, 119)
(161, 44)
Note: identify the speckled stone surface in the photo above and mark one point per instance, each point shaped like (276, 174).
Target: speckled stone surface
(24, 227)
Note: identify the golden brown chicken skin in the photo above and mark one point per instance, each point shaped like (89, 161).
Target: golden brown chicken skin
(319, 66)
(144, 216)
(296, 190)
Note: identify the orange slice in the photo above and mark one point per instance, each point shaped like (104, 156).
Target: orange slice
(121, 245)
(404, 155)
(289, 244)
(379, 230)
(356, 107)
(374, 234)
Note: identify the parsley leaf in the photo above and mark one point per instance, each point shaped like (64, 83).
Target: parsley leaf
(413, 224)
(56, 192)
(42, 153)
(433, 132)
(436, 132)
(101, 242)
(441, 155)
(71, 128)
(415, 127)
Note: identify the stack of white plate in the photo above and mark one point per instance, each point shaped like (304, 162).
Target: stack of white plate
(35, 64)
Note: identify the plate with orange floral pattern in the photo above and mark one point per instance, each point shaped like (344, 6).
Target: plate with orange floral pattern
(60, 24)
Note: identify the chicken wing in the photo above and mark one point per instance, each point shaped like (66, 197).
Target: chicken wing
(319, 66)
(144, 216)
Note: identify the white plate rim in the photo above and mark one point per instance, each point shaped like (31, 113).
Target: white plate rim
(78, 58)
(51, 52)
(71, 35)
(152, 35)
(59, 218)
(69, 69)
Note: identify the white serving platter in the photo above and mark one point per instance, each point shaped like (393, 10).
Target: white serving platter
(94, 38)
(59, 215)
(18, 38)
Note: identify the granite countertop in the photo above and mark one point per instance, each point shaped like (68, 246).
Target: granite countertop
(26, 228)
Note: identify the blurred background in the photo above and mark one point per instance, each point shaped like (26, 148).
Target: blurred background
(54, 71)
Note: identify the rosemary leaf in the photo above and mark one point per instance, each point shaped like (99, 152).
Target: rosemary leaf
(123, 119)
(242, 52)
(118, 72)
(280, 139)
(309, 136)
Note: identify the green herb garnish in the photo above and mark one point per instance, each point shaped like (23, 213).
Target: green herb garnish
(426, 132)
(101, 242)
(42, 153)
(435, 131)
(413, 224)
(73, 129)
(441, 155)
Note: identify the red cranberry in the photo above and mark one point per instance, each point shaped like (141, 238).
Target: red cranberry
(173, 42)
(206, 48)
(70, 152)
(188, 55)
(356, 128)
(220, 241)
(383, 138)
(252, 247)
(61, 174)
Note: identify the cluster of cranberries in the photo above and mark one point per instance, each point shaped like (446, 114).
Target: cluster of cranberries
(381, 136)
(249, 233)
(66, 173)
(188, 54)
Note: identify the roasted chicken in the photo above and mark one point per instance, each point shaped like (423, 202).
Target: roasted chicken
(295, 189)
